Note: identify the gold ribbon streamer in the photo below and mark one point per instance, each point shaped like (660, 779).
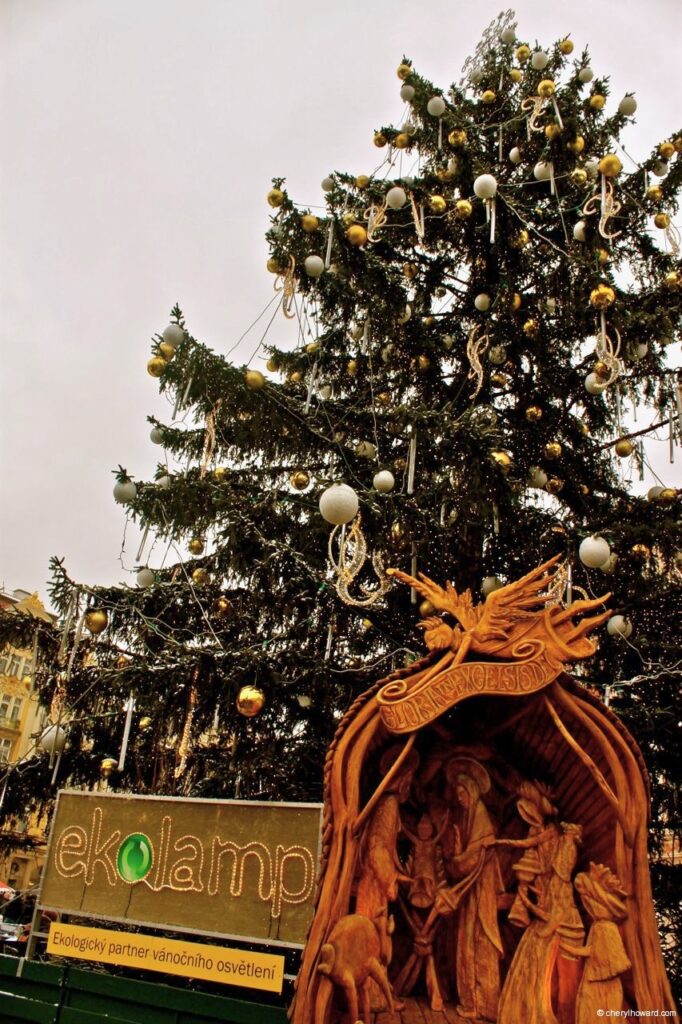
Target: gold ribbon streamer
(608, 209)
(209, 439)
(534, 106)
(376, 218)
(352, 557)
(286, 283)
(184, 745)
(475, 349)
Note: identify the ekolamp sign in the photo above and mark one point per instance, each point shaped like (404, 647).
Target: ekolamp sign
(224, 868)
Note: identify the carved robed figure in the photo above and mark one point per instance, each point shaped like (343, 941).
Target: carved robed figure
(485, 830)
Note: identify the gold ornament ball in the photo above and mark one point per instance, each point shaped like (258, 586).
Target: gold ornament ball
(666, 150)
(156, 366)
(397, 530)
(655, 193)
(531, 328)
(457, 137)
(672, 280)
(348, 219)
(145, 723)
(309, 222)
(400, 465)
(500, 380)
(601, 369)
(299, 480)
(602, 296)
(122, 661)
(423, 363)
(553, 450)
(520, 239)
(200, 577)
(274, 266)
(429, 321)
(667, 496)
(166, 351)
(356, 235)
(402, 140)
(362, 181)
(96, 620)
(576, 146)
(579, 176)
(552, 132)
(533, 413)
(221, 473)
(546, 87)
(662, 220)
(624, 447)
(275, 197)
(222, 608)
(312, 347)
(254, 380)
(410, 271)
(426, 608)
(250, 701)
(380, 140)
(106, 766)
(640, 551)
(503, 460)
(554, 485)
(610, 166)
(584, 489)
(295, 377)
(514, 302)
(196, 546)
(437, 204)
(603, 255)
(488, 97)
(516, 74)
(463, 209)
(403, 71)
(566, 46)
(597, 101)
(523, 53)
(352, 367)
(445, 174)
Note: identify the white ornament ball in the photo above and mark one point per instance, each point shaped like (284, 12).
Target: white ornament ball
(592, 167)
(156, 435)
(491, 583)
(654, 493)
(609, 565)
(365, 450)
(327, 184)
(325, 392)
(436, 106)
(594, 551)
(407, 93)
(314, 266)
(542, 170)
(356, 331)
(485, 186)
(482, 302)
(164, 483)
(515, 155)
(660, 168)
(145, 578)
(476, 76)
(52, 739)
(579, 231)
(339, 504)
(550, 306)
(640, 349)
(396, 197)
(508, 35)
(627, 106)
(405, 315)
(537, 477)
(173, 335)
(618, 625)
(585, 74)
(594, 385)
(383, 481)
(497, 355)
(125, 491)
(539, 60)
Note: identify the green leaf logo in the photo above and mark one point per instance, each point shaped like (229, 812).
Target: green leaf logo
(135, 858)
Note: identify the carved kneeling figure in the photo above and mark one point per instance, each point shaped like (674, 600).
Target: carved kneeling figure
(359, 950)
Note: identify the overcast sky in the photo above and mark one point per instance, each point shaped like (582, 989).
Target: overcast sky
(138, 139)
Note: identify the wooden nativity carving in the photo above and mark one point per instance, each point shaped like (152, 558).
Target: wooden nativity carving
(485, 836)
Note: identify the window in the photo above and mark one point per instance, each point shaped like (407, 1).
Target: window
(5, 747)
(13, 665)
(10, 708)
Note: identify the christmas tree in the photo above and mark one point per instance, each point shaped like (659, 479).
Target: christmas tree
(479, 322)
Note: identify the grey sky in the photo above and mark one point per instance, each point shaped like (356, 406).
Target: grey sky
(138, 139)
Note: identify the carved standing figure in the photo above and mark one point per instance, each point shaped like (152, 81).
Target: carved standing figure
(474, 896)
(600, 988)
(425, 861)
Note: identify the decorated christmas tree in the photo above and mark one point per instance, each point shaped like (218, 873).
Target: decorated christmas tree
(486, 325)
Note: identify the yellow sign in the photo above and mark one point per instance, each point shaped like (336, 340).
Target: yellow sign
(264, 971)
(216, 867)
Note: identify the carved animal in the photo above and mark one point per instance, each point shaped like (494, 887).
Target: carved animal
(359, 949)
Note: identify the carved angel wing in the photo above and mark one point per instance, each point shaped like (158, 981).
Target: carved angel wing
(515, 601)
(444, 599)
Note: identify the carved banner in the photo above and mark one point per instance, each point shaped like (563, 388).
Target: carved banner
(403, 710)
(237, 869)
